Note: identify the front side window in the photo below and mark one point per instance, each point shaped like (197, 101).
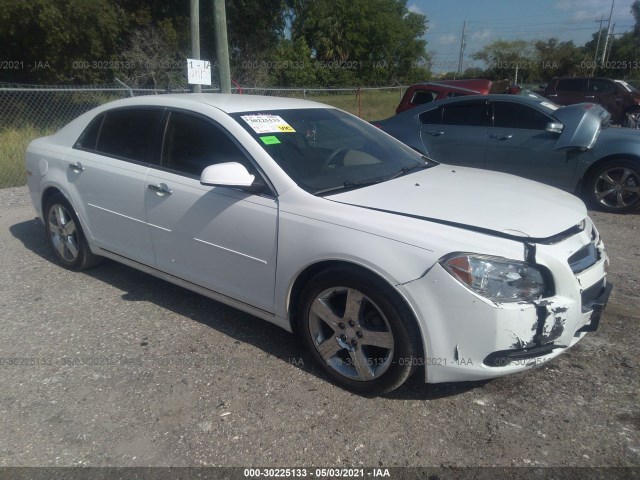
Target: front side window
(192, 143)
(601, 86)
(325, 150)
(515, 115)
(129, 133)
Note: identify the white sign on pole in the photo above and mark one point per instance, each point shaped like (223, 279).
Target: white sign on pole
(198, 72)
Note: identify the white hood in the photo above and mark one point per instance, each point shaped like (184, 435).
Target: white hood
(474, 198)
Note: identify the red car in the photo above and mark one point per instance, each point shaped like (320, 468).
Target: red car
(422, 93)
(621, 99)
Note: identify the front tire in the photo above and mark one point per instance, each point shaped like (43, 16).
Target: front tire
(614, 186)
(359, 330)
(630, 120)
(65, 235)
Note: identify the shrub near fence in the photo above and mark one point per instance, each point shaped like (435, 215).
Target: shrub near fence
(29, 112)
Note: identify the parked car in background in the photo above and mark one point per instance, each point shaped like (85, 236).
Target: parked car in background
(382, 260)
(428, 92)
(568, 147)
(621, 99)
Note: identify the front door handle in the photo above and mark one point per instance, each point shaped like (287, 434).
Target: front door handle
(501, 137)
(160, 188)
(76, 167)
(435, 133)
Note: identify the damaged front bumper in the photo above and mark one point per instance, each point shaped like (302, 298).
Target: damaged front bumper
(550, 326)
(468, 337)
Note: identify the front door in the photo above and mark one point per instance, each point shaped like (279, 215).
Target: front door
(221, 238)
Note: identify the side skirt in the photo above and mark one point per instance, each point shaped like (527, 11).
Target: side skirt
(263, 314)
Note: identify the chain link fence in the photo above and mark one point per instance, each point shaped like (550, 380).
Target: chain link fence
(29, 112)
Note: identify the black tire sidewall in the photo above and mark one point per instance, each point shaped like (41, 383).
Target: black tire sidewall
(591, 183)
(83, 258)
(400, 318)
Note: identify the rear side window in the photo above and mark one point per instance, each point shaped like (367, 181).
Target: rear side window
(89, 137)
(570, 85)
(129, 133)
(432, 117)
(424, 96)
(514, 115)
(467, 114)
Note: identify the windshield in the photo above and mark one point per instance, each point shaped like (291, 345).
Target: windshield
(325, 150)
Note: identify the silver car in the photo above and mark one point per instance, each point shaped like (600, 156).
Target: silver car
(569, 147)
(310, 218)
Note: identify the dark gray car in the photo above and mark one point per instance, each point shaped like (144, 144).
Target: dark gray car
(570, 147)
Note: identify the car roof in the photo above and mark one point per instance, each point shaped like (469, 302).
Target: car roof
(488, 97)
(229, 103)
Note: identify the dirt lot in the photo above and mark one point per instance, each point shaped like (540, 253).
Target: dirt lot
(123, 369)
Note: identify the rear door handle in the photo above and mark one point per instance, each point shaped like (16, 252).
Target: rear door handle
(160, 188)
(589, 96)
(501, 137)
(435, 133)
(554, 95)
(76, 167)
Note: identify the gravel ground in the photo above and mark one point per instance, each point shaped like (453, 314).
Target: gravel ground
(129, 370)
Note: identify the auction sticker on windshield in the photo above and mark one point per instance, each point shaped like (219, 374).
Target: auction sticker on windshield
(267, 123)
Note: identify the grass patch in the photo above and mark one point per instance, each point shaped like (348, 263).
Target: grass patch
(374, 104)
(13, 144)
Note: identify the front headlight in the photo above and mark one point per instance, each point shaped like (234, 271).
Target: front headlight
(495, 278)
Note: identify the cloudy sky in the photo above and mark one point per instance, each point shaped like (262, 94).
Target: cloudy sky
(491, 20)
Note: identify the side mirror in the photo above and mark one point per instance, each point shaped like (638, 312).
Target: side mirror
(229, 174)
(554, 127)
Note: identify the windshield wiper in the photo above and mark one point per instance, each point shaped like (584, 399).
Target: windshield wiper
(349, 185)
(406, 170)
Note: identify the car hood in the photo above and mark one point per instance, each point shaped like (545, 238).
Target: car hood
(582, 123)
(493, 203)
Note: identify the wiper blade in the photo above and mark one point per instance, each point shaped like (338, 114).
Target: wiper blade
(406, 170)
(349, 185)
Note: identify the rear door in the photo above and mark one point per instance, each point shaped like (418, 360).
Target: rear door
(106, 173)
(518, 143)
(456, 133)
(221, 238)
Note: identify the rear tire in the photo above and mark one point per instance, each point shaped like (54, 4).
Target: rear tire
(614, 186)
(65, 235)
(359, 330)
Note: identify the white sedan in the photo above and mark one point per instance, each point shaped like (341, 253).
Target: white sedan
(382, 260)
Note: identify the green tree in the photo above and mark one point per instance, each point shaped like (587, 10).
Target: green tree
(58, 41)
(553, 58)
(368, 41)
(505, 59)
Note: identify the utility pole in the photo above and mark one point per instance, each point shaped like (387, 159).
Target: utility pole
(610, 43)
(607, 38)
(462, 45)
(595, 55)
(195, 36)
(222, 45)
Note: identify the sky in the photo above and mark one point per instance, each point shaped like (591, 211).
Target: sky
(491, 20)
